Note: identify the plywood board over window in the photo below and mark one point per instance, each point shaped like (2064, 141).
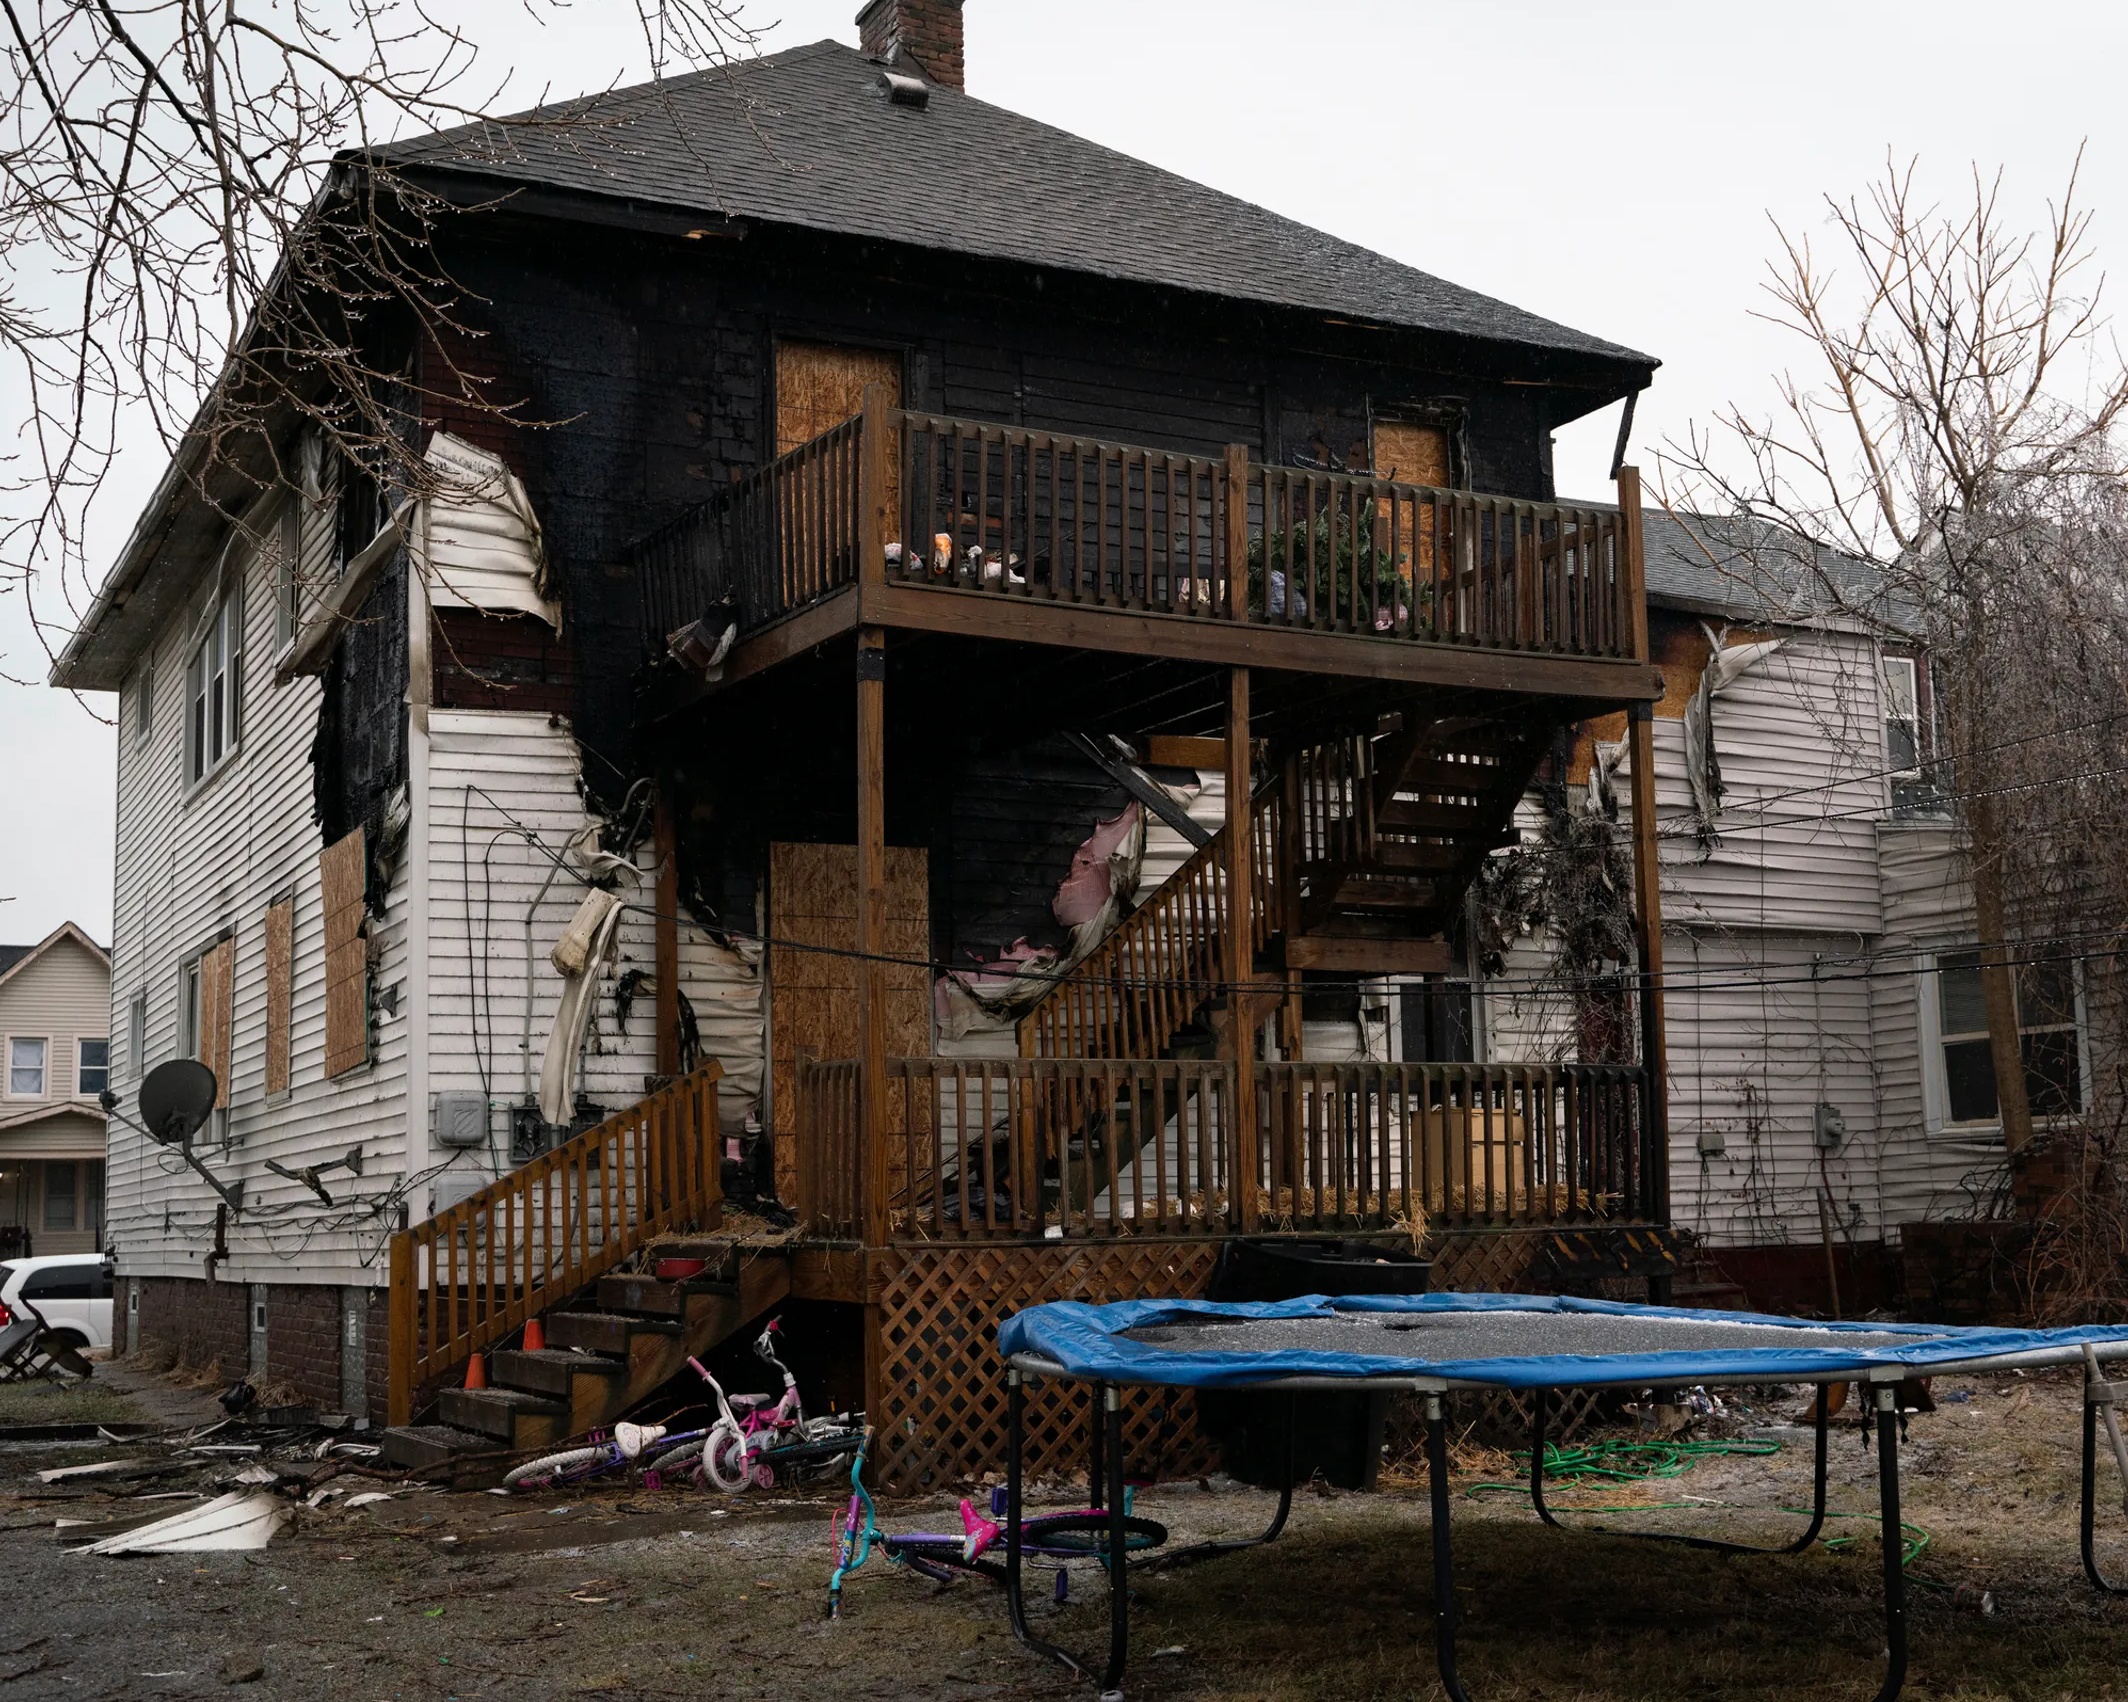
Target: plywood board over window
(1411, 453)
(819, 385)
(341, 880)
(217, 986)
(280, 978)
(813, 994)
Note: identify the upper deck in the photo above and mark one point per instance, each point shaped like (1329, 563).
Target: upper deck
(916, 521)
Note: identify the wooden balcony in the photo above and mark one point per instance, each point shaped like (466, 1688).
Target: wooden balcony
(897, 519)
(1094, 1149)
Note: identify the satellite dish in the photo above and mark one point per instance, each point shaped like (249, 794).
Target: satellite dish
(177, 1099)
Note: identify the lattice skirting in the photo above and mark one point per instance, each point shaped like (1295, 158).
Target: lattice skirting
(944, 1388)
(944, 1392)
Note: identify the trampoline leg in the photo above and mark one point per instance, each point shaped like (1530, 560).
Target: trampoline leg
(1887, 1402)
(1015, 1595)
(2096, 1395)
(1444, 1571)
(1118, 1550)
(1540, 1419)
(1168, 1560)
(1097, 1443)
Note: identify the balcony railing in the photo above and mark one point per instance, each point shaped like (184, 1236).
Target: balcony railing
(1031, 1148)
(1006, 511)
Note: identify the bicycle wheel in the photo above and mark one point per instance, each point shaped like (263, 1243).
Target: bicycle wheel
(675, 1453)
(726, 1460)
(537, 1474)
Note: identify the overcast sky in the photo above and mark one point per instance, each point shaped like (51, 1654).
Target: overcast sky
(1611, 166)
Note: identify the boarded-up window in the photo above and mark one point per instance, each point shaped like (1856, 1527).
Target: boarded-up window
(217, 975)
(819, 385)
(280, 975)
(813, 994)
(1411, 454)
(340, 880)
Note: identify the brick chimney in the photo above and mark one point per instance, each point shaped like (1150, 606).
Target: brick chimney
(918, 35)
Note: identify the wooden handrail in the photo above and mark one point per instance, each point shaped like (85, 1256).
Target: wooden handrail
(978, 506)
(473, 1275)
(1100, 1148)
(1148, 979)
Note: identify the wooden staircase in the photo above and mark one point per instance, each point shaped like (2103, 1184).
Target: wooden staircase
(562, 1240)
(607, 1351)
(1361, 850)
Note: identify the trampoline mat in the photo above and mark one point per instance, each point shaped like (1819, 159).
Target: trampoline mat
(1436, 1337)
(1497, 1340)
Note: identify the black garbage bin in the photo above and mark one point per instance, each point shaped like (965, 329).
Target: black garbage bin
(1336, 1436)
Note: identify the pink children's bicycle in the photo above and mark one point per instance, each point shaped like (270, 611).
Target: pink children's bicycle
(758, 1441)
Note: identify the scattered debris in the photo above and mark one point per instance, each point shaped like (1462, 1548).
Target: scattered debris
(238, 1521)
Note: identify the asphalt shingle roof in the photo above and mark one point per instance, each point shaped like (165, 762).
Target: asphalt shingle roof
(808, 138)
(1732, 565)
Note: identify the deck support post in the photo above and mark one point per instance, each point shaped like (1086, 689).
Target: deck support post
(1241, 950)
(872, 1179)
(1647, 890)
(1292, 1044)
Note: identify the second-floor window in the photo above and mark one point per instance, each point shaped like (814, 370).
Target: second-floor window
(214, 680)
(2048, 1038)
(1902, 718)
(92, 1066)
(28, 1066)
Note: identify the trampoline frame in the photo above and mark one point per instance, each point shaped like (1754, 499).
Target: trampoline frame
(1881, 1381)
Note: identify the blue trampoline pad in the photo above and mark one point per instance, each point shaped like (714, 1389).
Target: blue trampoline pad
(1512, 1341)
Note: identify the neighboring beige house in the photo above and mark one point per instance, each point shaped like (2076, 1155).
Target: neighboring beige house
(55, 1057)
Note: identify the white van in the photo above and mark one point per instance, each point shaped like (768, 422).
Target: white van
(71, 1292)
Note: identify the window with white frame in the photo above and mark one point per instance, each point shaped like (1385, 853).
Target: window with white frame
(92, 1065)
(214, 688)
(189, 979)
(137, 1034)
(287, 577)
(29, 1059)
(2049, 1038)
(1902, 718)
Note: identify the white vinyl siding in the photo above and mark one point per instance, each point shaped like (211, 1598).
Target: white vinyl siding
(193, 867)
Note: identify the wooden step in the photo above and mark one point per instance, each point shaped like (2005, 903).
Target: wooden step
(651, 1298)
(603, 1332)
(549, 1371)
(1418, 856)
(514, 1418)
(1381, 892)
(413, 1447)
(1422, 815)
(1468, 779)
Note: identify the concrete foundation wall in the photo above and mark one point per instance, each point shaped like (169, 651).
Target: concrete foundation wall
(306, 1340)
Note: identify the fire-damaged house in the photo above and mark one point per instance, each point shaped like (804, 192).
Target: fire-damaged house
(982, 698)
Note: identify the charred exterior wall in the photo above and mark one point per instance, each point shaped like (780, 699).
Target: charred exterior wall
(645, 367)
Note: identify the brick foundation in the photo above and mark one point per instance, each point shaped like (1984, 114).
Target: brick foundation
(209, 1324)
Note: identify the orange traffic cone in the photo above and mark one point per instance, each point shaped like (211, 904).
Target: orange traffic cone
(476, 1372)
(535, 1338)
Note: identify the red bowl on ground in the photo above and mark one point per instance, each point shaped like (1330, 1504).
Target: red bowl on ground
(680, 1270)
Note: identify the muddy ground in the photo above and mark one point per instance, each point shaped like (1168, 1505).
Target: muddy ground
(624, 1593)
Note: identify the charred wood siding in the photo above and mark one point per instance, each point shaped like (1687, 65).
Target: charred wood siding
(502, 662)
(1014, 820)
(649, 365)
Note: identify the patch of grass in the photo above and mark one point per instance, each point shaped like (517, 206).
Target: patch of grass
(44, 1401)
